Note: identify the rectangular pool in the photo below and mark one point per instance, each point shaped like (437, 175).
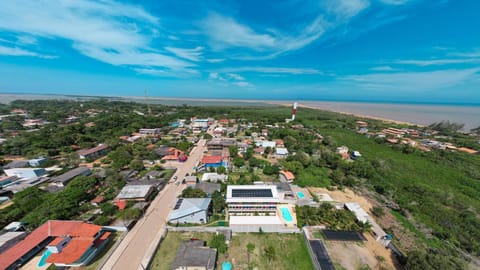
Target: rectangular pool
(286, 214)
(300, 195)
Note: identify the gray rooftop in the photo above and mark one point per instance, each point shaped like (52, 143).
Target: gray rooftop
(68, 176)
(134, 191)
(195, 254)
(16, 164)
(208, 188)
(187, 206)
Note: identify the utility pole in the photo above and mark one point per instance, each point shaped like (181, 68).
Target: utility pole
(148, 104)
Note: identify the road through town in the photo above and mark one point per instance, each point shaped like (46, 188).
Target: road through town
(138, 246)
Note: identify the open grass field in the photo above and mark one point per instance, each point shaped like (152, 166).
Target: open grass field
(167, 249)
(290, 251)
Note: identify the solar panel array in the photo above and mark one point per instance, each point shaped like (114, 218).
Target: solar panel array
(322, 255)
(343, 235)
(177, 205)
(249, 193)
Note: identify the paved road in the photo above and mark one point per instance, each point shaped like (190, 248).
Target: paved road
(142, 240)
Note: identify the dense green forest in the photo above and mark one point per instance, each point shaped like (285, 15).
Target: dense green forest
(437, 190)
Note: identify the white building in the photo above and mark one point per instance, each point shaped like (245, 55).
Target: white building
(25, 173)
(252, 199)
(190, 210)
(281, 152)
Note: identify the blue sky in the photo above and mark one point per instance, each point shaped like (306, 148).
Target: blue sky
(364, 50)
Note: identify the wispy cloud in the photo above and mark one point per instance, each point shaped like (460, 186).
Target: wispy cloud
(395, 2)
(235, 76)
(383, 68)
(437, 62)
(243, 84)
(189, 54)
(274, 70)
(412, 81)
(108, 31)
(346, 9)
(15, 51)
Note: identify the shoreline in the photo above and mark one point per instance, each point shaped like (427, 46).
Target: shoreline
(387, 120)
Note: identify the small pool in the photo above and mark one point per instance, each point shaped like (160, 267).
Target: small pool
(43, 259)
(286, 214)
(300, 195)
(226, 266)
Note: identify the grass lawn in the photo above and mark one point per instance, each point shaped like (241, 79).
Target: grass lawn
(167, 250)
(290, 251)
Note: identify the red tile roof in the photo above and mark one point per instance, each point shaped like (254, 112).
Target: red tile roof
(211, 159)
(52, 228)
(72, 251)
(288, 175)
(90, 151)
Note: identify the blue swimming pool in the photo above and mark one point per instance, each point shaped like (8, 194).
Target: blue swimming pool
(300, 195)
(43, 259)
(286, 214)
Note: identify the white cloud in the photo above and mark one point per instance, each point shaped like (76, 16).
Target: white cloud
(167, 73)
(275, 70)
(108, 31)
(435, 62)
(346, 9)
(412, 81)
(189, 54)
(216, 76)
(242, 84)
(27, 40)
(217, 60)
(235, 76)
(383, 68)
(15, 51)
(226, 32)
(395, 2)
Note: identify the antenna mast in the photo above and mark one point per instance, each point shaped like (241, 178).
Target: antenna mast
(148, 104)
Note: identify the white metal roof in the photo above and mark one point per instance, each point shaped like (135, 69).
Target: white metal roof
(358, 211)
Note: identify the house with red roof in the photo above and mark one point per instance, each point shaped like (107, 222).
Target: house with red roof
(286, 176)
(70, 243)
(94, 152)
(213, 161)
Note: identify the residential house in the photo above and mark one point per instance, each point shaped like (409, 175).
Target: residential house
(286, 176)
(150, 132)
(93, 153)
(25, 173)
(194, 255)
(37, 161)
(190, 210)
(135, 192)
(259, 150)
(281, 152)
(71, 243)
(63, 179)
(213, 161)
(16, 164)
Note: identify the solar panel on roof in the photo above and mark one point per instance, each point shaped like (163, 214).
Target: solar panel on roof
(177, 205)
(248, 193)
